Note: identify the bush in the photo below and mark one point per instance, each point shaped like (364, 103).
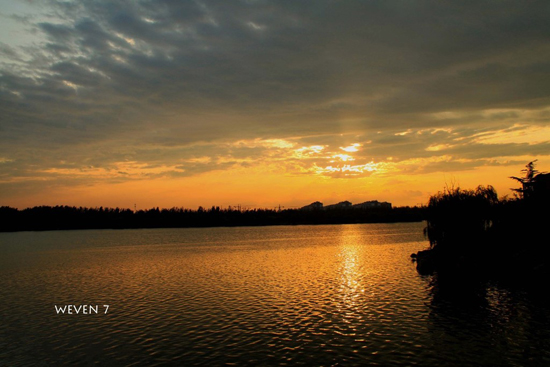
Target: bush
(460, 218)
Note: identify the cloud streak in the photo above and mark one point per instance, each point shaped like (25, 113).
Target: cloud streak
(109, 90)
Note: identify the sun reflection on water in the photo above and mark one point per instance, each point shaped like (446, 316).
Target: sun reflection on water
(350, 299)
(350, 277)
(293, 295)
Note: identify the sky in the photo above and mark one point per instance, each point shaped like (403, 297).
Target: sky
(265, 103)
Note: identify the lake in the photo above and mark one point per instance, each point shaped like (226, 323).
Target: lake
(283, 295)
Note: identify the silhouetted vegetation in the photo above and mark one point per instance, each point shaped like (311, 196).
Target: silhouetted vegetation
(65, 217)
(528, 182)
(457, 216)
(475, 231)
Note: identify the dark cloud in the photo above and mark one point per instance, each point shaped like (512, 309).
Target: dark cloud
(9, 52)
(114, 81)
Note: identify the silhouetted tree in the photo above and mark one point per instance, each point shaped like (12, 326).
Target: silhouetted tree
(65, 217)
(459, 217)
(527, 182)
(473, 229)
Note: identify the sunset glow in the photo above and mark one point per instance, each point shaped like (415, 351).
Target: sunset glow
(116, 104)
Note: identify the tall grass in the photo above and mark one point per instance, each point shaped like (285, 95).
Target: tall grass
(461, 219)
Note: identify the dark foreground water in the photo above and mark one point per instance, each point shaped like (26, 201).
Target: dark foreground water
(304, 295)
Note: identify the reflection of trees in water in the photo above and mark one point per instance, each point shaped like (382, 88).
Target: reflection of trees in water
(477, 322)
(475, 237)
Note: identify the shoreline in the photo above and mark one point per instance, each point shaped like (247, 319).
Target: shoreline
(213, 226)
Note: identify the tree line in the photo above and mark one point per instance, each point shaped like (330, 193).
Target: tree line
(41, 218)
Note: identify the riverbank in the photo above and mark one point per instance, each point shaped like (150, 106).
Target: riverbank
(473, 233)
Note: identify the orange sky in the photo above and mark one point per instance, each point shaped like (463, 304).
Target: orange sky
(264, 187)
(265, 104)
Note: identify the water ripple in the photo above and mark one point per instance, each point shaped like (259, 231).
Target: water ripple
(322, 295)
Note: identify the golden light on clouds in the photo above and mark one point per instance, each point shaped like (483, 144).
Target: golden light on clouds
(515, 135)
(437, 148)
(351, 170)
(208, 108)
(352, 148)
(343, 157)
(403, 133)
(308, 152)
(268, 143)
(126, 170)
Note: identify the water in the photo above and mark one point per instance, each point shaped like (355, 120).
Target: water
(289, 295)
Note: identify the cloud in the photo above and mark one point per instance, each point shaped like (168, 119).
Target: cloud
(201, 86)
